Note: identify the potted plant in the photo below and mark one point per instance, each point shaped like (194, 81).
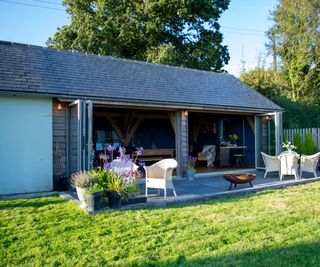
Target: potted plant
(191, 163)
(118, 189)
(103, 176)
(93, 197)
(122, 180)
(233, 138)
(288, 146)
(82, 181)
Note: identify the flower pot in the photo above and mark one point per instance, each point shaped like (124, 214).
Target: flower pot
(190, 174)
(105, 199)
(114, 200)
(94, 201)
(81, 196)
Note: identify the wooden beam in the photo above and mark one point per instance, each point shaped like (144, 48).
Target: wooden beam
(130, 120)
(132, 131)
(172, 117)
(251, 123)
(134, 116)
(126, 124)
(115, 127)
(197, 129)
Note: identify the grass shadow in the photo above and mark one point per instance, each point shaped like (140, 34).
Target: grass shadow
(31, 202)
(303, 254)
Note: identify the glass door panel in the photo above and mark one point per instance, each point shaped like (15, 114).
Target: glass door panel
(80, 135)
(87, 135)
(75, 125)
(265, 137)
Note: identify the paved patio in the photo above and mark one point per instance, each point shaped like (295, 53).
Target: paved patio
(204, 187)
(214, 185)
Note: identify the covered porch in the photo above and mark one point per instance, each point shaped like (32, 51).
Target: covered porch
(184, 132)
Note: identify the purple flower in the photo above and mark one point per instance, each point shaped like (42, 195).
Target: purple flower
(131, 174)
(126, 158)
(192, 159)
(107, 165)
(103, 156)
(139, 151)
(122, 151)
(111, 148)
(141, 164)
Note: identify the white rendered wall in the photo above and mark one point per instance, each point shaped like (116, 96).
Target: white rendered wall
(25, 144)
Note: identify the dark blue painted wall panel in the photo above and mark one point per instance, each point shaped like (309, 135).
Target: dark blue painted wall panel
(157, 133)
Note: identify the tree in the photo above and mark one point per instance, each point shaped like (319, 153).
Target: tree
(266, 82)
(297, 142)
(175, 32)
(295, 39)
(309, 146)
(299, 114)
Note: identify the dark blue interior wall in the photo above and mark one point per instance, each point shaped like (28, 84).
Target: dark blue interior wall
(237, 124)
(153, 133)
(233, 124)
(207, 139)
(250, 143)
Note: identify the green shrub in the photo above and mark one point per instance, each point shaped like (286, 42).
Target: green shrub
(121, 186)
(309, 146)
(103, 177)
(297, 142)
(284, 137)
(94, 189)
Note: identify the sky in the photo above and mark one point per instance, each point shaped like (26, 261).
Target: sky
(243, 26)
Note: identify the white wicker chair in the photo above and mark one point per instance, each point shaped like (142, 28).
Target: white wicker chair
(272, 163)
(289, 165)
(159, 175)
(309, 163)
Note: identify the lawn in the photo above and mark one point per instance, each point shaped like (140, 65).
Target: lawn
(271, 228)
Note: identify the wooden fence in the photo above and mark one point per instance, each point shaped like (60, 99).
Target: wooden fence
(315, 132)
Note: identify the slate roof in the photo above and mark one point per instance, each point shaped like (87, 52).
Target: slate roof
(34, 69)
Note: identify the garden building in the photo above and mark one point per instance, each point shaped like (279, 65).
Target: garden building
(58, 110)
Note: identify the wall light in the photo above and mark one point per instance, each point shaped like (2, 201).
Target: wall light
(59, 106)
(268, 118)
(185, 113)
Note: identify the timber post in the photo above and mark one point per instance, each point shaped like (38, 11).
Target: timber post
(181, 141)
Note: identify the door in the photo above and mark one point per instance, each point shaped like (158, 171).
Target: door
(80, 154)
(268, 136)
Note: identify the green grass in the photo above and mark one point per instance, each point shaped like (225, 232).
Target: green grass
(272, 228)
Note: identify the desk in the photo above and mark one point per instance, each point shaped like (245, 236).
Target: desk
(223, 155)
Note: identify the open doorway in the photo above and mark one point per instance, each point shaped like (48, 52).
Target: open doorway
(221, 141)
(133, 128)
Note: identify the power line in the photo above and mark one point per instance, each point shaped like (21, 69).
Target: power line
(234, 30)
(48, 2)
(32, 5)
